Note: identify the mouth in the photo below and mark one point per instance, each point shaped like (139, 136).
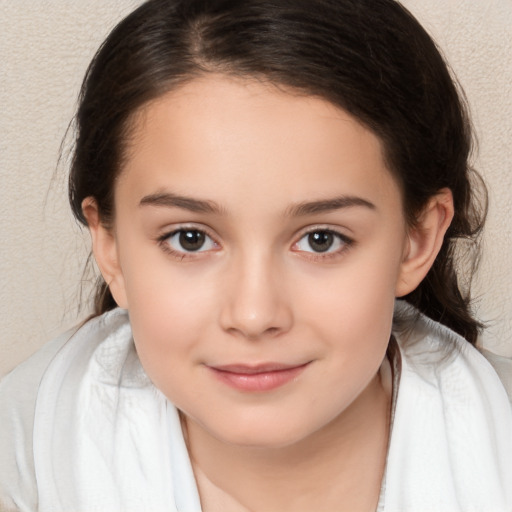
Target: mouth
(258, 378)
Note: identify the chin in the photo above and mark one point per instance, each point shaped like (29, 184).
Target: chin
(261, 434)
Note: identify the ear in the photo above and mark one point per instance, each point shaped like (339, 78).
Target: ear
(105, 250)
(424, 241)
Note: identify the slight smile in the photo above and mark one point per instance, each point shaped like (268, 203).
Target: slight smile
(258, 378)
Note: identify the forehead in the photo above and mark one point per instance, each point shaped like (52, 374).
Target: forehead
(234, 138)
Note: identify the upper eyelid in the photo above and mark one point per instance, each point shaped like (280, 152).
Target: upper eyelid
(183, 255)
(347, 241)
(313, 229)
(170, 231)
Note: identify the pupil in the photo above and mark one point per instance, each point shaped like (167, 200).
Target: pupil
(320, 241)
(191, 240)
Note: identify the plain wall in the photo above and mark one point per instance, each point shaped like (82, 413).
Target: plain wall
(45, 46)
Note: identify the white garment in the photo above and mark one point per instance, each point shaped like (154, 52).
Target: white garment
(451, 442)
(106, 440)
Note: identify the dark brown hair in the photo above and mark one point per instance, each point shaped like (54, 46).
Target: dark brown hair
(369, 57)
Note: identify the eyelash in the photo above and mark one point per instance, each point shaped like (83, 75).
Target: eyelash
(346, 242)
(183, 255)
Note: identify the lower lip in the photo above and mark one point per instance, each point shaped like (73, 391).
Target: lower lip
(254, 382)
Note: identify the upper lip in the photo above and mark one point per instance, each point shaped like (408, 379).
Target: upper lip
(252, 369)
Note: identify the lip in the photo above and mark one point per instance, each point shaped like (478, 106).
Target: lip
(257, 378)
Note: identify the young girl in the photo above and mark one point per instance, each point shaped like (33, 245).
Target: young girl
(261, 181)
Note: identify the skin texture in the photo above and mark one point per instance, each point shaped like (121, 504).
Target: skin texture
(242, 161)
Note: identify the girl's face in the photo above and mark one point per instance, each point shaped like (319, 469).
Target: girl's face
(259, 243)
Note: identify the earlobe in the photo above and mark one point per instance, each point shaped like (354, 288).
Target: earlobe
(104, 248)
(424, 241)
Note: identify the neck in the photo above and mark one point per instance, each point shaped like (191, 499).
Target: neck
(339, 467)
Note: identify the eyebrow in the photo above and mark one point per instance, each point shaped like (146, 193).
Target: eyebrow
(170, 200)
(327, 205)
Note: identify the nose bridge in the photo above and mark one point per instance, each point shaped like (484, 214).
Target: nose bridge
(256, 304)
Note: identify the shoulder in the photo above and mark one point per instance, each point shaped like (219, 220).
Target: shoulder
(503, 367)
(451, 443)
(436, 352)
(442, 370)
(19, 392)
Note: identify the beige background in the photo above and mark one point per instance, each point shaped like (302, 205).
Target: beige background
(45, 46)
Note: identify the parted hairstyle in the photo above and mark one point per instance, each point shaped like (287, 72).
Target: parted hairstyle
(371, 58)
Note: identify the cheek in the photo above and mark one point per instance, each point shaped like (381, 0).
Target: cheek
(360, 292)
(169, 312)
(351, 310)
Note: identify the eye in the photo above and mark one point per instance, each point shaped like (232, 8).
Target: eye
(322, 241)
(189, 240)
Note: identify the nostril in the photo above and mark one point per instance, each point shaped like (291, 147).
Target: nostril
(266, 333)
(253, 309)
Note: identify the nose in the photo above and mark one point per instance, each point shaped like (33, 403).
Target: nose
(256, 304)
